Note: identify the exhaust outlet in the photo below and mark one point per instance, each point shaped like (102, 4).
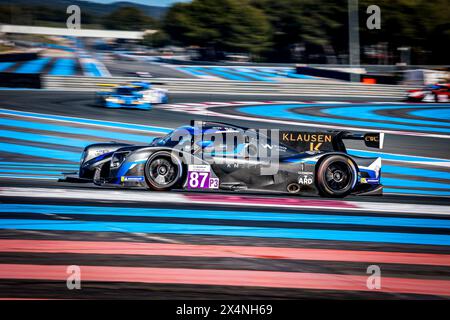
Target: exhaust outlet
(293, 188)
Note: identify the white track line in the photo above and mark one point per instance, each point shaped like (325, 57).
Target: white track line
(43, 116)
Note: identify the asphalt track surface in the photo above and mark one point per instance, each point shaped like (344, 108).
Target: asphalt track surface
(138, 244)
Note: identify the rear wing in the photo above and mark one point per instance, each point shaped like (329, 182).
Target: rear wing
(371, 140)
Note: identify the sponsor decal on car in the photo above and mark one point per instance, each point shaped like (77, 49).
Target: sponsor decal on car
(307, 141)
(369, 181)
(132, 178)
(100, 152)
(305, 180)
(306, 137)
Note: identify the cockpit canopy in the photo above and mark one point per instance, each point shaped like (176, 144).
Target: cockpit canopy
(220, 138)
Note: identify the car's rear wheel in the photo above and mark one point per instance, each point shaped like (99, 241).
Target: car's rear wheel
(163, 171)
(336, 176)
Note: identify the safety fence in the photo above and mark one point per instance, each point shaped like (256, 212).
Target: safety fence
(298, 88)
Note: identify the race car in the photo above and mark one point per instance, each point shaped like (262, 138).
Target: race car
(431, 93)
(214, 155)
(137, 95)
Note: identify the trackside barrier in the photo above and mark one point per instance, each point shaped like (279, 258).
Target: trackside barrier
(387, 78)
(20, 80)
(324, 73)
(13, 57)
(302, 87)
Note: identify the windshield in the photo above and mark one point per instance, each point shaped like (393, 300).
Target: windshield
(125, 91)
(175, 137)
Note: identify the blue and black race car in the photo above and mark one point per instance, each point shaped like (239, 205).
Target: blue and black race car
(212, 155)
(136, 95)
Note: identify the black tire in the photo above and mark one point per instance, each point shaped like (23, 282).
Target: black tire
(163, 171)
(336, 176)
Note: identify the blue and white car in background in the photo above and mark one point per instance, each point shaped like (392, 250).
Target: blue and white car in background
(135, 95)
(151, 94)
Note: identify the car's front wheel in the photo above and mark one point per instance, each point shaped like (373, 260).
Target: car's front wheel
(163, 171)
(336, 176)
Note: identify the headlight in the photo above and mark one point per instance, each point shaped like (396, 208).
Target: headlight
(114, 100)
(118, 158)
